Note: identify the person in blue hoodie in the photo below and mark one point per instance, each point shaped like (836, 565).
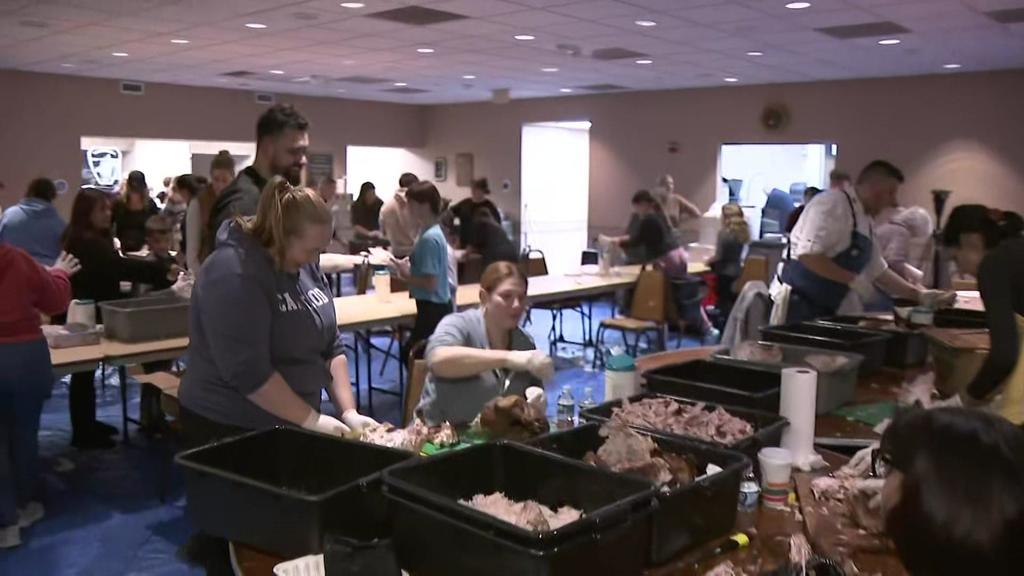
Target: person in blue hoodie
(33, 224)
(264, 338)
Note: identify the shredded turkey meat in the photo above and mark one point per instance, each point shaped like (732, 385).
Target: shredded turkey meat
(411, 438)
(751, 351)
(690, 420)
(726, 568)
(627, 452)
(825, 362)
(528, 515)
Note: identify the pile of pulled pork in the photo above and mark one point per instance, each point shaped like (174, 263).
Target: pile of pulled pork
(683, 419)
(528, 515)
(412, 438)
(627, 452)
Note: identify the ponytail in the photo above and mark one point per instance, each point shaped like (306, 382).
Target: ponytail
(284, 212)
(993, 224)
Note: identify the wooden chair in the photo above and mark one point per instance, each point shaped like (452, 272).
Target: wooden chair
(417, 380)
(755, 268)
(649, 312)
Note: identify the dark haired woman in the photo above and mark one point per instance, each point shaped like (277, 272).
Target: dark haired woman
(88, 238)
(366, 217)
(190, 187)
(953, 499)
(988, 244)
(466, 211)
(131, 211)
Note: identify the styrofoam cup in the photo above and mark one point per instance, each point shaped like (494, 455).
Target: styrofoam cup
(776, 467)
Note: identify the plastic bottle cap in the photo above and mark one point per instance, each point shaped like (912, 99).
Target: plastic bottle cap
(621, 363)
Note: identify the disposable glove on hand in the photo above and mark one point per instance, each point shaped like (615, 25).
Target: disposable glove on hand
(533, 361)
(357, 421)
(324, 424)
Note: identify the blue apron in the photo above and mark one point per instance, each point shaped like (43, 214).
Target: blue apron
(813, 296)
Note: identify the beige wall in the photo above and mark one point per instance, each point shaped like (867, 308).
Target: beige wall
(961, 132)
(954, 131)
(43, 116)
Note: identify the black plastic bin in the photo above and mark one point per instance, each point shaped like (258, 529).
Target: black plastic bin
(870, 344)
(686, 517)
(958, 318)
(767, 427)
(906, 348)
(281, 490)
(435, 535)
(708, 381)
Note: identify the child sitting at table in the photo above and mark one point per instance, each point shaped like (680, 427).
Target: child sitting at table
(159, 231)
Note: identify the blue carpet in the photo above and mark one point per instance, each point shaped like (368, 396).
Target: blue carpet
(105, 517)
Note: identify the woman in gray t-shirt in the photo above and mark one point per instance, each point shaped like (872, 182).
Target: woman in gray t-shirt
(480, 354)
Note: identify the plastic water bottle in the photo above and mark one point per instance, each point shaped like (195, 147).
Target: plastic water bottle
(566, 409)
(588, 401)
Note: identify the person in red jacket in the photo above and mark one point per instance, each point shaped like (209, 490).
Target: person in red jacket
(26, 376)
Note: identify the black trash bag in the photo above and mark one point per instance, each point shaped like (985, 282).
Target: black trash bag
(347, 557)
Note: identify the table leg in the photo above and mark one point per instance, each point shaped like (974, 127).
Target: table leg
(122, 376)
(369, 371)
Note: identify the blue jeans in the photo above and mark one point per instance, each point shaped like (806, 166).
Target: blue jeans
(26, 377)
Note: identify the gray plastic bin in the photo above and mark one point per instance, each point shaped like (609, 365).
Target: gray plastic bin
(835, 387)
(145, 319)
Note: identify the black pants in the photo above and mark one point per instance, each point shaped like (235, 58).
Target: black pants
(199, 430)
(428, 316)
(82, 404)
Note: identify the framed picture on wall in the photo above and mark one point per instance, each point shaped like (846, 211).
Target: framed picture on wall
(440, 169)
(463, 169)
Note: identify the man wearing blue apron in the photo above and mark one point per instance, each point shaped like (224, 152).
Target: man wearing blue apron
(833, 264)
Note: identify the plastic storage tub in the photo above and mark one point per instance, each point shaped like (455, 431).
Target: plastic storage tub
(868, 343)
(767, 427)
(145, 319)
(281, 490)
(958, 358)
(706, 381)
(435, 535)
(836, 387)
(958, 318)
(906, 348)
(687, 516)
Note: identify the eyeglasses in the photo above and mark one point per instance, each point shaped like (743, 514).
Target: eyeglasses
(881, 464)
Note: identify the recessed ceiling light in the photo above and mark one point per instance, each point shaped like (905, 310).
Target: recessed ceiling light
(566, 90)
(179, 41)
(524, 37)
(120, 54)
(645, 61)
(425, 50)
(755, 53)
(952, 66)
(277, 71)
(400, 84)
(798, 5)
(645, 23)
(889, 42)
(549, 69)
(67, 65)
(731, 79)
(468, 77)
(340, 90)
(255, 25)
(352, 5)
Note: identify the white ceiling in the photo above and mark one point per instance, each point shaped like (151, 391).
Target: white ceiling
(695, 43)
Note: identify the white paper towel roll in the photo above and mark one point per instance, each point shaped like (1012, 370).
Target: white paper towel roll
(797, 404)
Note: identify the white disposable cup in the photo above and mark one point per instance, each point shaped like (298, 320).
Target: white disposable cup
(776, 466)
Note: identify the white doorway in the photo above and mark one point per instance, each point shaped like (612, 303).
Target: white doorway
(555, 195)
(382, 166)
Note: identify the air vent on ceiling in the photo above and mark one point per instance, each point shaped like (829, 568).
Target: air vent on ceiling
(362, 79)
(32, 23)
(417, 16)
(405, 90)
(306, 16)
(602, 87)
(239, 74)
(1008, 16)
(615, 54)
(265, 98)
(866, 30)
(133, 88)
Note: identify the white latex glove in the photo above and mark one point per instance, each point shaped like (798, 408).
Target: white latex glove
(324, 424)
(533, 361)
(357, 421)
(936, 298)
(864, 287)
(535, 396)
